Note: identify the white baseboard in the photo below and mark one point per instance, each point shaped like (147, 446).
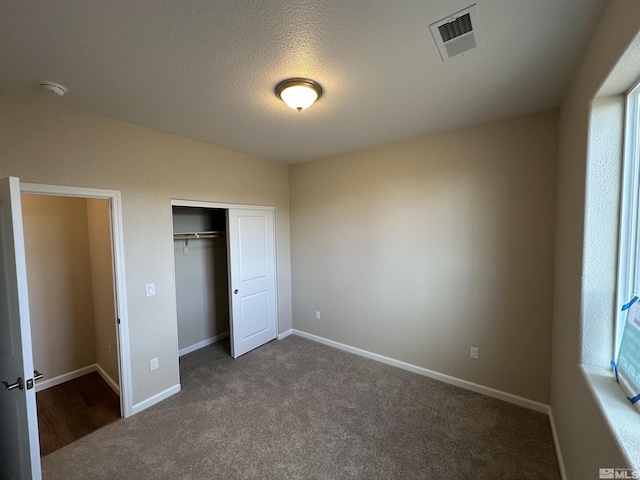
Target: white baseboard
(105, 376)
(52, 382)
(203, 343)
(458, 382)
(491, 392)
(65, 377)
(556, 444)
(157, 398)
(285, 334)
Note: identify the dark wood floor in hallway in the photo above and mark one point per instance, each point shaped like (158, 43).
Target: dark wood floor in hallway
(73, 409)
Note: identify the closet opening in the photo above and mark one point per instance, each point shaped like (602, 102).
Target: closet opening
(72, 300)
(225, 272)
(202, 277)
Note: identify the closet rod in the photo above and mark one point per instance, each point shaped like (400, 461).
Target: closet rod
(197, 235)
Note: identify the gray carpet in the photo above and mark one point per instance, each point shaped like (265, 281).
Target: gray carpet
(296, 409)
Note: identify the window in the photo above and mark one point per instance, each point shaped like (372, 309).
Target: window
(629, 256)
(627, 331)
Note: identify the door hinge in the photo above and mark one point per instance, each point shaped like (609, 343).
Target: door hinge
(118, 321)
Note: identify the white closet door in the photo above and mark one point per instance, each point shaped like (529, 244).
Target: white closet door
(19, 442)
(252, 279)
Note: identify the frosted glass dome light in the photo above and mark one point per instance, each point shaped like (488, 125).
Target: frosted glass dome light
(298, 93)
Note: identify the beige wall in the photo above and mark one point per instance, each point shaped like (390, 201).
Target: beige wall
(201, 291)
(102, 286)
(41, 141)
(59, 282)
(421, 249)
(586, 441)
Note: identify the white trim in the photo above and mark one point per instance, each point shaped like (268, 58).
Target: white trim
(60, 190)
(203, 343)
(284, 335)
(223, 206)
(115, 203)
(107, 378)
(157, 398)
(275, 270)
(556, 444)
(458, 382)
(65, 377)
(124, 360)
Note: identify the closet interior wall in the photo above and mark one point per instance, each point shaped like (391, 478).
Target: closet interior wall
(202, 294)
(71, 288)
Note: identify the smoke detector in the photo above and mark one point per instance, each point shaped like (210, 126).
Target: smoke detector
(457, 33)
(53, 87)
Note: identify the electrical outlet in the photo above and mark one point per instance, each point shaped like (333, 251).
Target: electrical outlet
(317, 315)
(153, 364)
(150, 289)
(473, 353)
(108, 349)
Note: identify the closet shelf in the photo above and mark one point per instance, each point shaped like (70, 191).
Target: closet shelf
(197, 235)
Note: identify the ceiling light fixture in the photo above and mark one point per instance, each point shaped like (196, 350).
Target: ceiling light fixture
(298, 93)
(53, 87)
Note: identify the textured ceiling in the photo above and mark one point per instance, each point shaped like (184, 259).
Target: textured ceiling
(207, 69)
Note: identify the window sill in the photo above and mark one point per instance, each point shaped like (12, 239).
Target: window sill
(622, 417)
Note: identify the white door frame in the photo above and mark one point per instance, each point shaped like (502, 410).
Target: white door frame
(126, 400)
(229, 206)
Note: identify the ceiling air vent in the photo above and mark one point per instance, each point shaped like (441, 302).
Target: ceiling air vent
(457, 33)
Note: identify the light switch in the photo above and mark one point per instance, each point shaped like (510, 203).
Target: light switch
(151, 289)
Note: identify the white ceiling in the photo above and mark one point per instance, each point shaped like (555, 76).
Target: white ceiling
(206, 69)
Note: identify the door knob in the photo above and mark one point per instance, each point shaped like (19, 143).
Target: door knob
(235, 291)
(37, 375)
(19, 384)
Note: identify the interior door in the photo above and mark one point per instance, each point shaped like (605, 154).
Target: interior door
(19, 447)
(252, 279)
